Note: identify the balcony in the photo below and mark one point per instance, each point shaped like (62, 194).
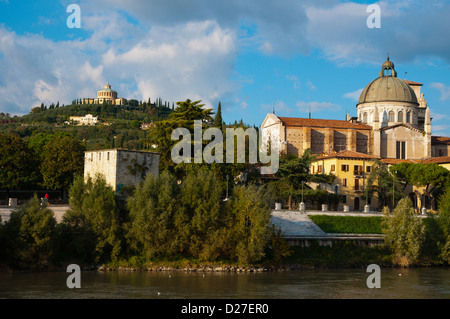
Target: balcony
(358, 173)
(358, 188)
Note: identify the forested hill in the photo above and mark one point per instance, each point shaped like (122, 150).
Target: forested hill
(118, 126)
(133, 110)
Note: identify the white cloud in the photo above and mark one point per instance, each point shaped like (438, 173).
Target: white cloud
(193, 61)
(353, 95)
(310, 85)
(294, 80)
(440, 128)
(444, 90)
(315, 106)
(438, 116)
(279, 107)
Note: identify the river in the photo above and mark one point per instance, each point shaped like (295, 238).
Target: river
(415, 283)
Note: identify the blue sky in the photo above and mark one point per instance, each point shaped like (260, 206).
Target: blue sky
(253, 56)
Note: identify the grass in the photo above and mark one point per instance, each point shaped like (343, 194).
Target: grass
(348, 224)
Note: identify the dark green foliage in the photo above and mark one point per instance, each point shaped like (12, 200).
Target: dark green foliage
(28, 238)
(91, 229)
(18, 163)
(218, 121)
(348, 224)
(168, 219)
(62, 159)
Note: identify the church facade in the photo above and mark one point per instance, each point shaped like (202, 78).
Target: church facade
(105, 95)
(393, 124)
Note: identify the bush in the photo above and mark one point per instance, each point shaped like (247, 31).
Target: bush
(405, 233)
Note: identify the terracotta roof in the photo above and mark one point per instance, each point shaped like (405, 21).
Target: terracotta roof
(440, 140)
(394, 161)
(347, 154)
(437, 160)
(294, 121)
(413, 83)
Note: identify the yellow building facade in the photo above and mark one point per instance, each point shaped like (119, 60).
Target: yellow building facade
(351, 170)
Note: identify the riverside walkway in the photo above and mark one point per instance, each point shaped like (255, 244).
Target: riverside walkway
(58, 211)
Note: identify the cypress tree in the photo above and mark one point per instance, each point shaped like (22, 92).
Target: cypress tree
(218, 118)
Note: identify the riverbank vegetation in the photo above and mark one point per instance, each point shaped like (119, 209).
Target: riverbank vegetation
(186, 224)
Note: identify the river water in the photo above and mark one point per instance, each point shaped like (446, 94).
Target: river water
(416, 283)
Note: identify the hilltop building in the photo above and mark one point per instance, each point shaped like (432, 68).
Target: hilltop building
(88, 119)
(121, 167)
(105, 95)
(393, 124)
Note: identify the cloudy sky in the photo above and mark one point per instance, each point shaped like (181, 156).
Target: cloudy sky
(255, 56)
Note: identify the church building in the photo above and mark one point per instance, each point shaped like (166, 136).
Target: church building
(393, 124)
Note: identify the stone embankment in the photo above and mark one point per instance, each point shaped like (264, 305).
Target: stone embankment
(207, 268)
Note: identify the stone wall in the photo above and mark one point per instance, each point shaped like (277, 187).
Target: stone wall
(121, 167)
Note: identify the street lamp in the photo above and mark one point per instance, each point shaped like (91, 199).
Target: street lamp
(393, 191)
(227, 188)
(303, 182)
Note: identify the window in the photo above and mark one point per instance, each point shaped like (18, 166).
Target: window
(345, 168)
(99, 156)
(333, 168)
(368, 169)
(365, 117)
(357, 187)
(319, 169)
(313, 169)
(400, 150)
(391, 116)
(107, 156)
(344, 199)
(400, 116)
(344, 182)
(357, 169)
(408, 117)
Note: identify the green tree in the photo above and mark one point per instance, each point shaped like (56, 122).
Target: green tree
(248, 218)
(17, 164)
(183, 117)
(151, 231)
(27, 239)
(63, 159)
(443, 220)
(218, 118)
(199, 217)
(404, 233)
(95, 220)
(432, 177)
(384, 184)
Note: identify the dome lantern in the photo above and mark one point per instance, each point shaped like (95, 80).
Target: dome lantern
(388, 88)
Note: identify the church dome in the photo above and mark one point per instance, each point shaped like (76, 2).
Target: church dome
(107, 92)
(388, 88)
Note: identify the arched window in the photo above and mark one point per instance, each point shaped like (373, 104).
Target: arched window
(391, 116)
(408, 117)
(400, 116)
(365, 117)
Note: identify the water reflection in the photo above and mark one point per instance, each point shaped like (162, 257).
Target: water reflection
(427, 283)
